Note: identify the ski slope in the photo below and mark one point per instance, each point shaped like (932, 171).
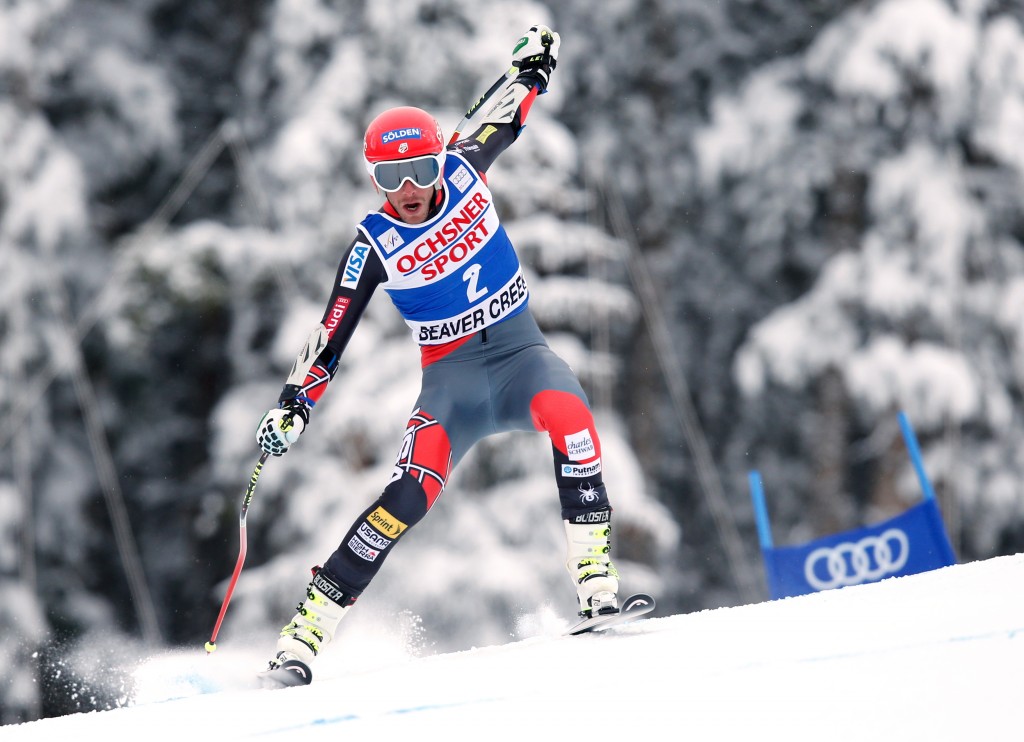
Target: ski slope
(937, 656)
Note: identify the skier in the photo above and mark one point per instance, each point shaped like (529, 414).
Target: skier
(439, 250)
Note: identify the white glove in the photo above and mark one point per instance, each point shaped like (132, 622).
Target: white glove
(537, 52)
(282, 426)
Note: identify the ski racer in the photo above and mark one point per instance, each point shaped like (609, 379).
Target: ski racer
(438, 248)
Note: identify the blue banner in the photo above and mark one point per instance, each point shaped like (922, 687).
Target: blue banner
(912, 542)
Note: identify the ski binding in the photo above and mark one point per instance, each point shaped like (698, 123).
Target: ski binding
(632, 608)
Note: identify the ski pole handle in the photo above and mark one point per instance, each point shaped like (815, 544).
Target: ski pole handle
(250, 490)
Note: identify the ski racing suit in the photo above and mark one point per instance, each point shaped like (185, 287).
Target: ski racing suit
(457, 282)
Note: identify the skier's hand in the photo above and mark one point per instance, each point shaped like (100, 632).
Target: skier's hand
(282, 426)
(536, 54)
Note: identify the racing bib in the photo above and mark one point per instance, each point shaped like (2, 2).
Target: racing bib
(456, 273)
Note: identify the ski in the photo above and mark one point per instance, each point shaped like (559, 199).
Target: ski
(288, 674)
(632, 608)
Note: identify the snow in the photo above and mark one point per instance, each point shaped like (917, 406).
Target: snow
(750, 129)
(923, 35)
(927, 376)
(916, 301)
(1001, 68)
(934, 656)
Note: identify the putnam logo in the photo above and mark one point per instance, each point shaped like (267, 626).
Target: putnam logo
(579, 471)
(398, 135)
(386, 523)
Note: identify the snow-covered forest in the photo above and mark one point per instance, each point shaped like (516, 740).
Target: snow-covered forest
(757, 229)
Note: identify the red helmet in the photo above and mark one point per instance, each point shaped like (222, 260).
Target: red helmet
(400, 134)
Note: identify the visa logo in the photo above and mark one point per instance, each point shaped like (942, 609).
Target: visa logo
(354, 266)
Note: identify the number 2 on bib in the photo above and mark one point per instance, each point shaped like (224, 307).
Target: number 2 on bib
(472, 276)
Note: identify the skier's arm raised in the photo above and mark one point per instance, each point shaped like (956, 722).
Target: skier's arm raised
(501, 119)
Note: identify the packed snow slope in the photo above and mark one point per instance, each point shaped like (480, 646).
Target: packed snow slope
(937, 656)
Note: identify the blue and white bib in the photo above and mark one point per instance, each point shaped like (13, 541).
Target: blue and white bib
(456, 273)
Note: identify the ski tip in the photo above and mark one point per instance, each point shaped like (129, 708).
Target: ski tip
(638, 600)
(289, 674)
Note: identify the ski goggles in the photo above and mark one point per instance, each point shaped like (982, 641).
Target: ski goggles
(422, 171)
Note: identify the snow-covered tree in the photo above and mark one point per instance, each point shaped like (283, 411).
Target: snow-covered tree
(892, 142)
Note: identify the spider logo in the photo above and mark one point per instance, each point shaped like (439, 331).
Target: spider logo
(590, 495)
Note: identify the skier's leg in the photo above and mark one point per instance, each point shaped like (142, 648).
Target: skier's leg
(450, 415)
(417, 480)
(536, 390)
(419, 476)
(586, 512)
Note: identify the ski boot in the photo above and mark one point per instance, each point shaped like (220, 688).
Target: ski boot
(310, 629)
(589, 564)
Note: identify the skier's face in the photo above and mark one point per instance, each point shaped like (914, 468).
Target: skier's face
(412, 202)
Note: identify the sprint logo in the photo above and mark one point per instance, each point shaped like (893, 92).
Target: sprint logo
(386, 523)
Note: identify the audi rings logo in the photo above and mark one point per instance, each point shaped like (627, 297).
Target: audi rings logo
(849, 563)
